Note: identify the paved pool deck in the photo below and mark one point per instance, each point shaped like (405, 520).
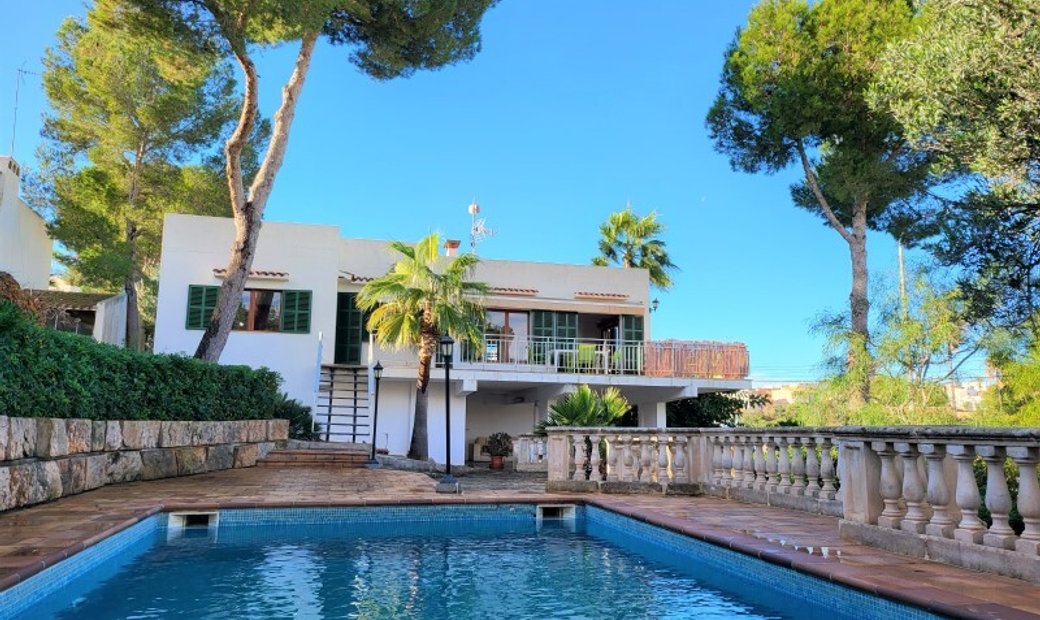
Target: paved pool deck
(34, 538)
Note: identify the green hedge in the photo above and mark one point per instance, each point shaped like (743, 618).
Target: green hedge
(46, 373)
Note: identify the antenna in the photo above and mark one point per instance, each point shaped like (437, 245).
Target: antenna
(20, 74)
(478, 229)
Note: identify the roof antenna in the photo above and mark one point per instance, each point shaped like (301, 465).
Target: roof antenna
(20, 74)
(478, 229)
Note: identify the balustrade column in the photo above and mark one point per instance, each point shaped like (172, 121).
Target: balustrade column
(812, 467)
(784, 466)
(891, 486)
(761, 479)
(971, 528)
(941, 523)
(613, 452)
(998, 498)
(630, 466)
(916, 517)
(772, 473)
(680, 470)
(716, 460)
(749, 462)
(662, 459)
(797, 468)
(645, 475)
(578, 439)
(828, 490)
(594, 457)
(727, 462)
(1028, 498)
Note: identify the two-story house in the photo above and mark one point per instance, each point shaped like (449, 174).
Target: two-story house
(549, 328)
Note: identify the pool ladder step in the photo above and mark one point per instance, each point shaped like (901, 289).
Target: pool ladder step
(314, 458)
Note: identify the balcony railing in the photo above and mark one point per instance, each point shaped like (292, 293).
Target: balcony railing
(670, 358)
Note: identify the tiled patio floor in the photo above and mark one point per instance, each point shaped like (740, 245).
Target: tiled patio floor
(37, 537)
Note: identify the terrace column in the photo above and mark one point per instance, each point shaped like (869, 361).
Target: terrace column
(1028, 498)
(653, 415)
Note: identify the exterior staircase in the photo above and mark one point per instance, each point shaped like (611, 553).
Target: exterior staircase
(341, 410)
(307, 454)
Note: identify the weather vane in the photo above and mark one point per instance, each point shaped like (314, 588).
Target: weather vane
(478, 230)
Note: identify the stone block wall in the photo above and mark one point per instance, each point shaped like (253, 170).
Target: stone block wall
(42, 459)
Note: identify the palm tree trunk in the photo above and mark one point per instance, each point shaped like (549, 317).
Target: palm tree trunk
(420, 444)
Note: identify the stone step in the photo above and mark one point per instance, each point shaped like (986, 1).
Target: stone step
(314, 458)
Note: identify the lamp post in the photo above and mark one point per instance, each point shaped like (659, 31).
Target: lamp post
(654, 304)
(377, 372)
(448, 484)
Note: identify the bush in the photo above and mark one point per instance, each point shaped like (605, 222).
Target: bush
(301, 424)
(45, 373)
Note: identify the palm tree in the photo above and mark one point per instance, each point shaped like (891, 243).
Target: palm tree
(585, 407)
(420, 298)
(632, 241)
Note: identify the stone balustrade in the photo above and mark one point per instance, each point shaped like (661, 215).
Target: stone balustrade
(42, 459)
(909, 489)
(531, 453)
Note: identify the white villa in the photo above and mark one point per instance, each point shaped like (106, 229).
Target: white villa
(549, 329)
(25, 247)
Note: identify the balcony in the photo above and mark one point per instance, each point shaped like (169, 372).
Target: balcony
(669, 358)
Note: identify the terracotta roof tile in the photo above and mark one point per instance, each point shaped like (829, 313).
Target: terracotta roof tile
(598, 295)
(260, 273)
(506, 290)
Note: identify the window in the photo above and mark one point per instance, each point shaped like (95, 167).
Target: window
(259, 310)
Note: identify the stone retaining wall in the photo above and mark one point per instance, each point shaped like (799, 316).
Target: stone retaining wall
(42, 459)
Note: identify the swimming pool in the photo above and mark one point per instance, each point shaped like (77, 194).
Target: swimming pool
(445, 561)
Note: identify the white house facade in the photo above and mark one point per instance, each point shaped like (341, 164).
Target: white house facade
(25, 247)
(549, 328)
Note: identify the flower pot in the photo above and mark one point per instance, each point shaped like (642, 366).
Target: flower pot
(496, 463)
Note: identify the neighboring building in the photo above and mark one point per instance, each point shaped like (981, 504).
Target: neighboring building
(966, 395)
(25, 247)
(549, 328)
(101, 315)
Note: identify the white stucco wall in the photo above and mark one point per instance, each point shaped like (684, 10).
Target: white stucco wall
(110, 320)
(193, 246)
(396, 405)
(25, 248)
(487, 414)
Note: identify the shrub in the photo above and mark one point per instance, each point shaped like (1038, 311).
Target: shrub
(301, 424)
(45, 373)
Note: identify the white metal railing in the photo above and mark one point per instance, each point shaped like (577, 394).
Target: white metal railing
(915, 480)
(671, 358)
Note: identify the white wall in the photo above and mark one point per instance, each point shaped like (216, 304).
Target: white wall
(25, 248)
(396, 406)
(193, 246)
(110, 320)
(487, 414)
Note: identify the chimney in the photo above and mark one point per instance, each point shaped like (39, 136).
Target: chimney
(451, 247)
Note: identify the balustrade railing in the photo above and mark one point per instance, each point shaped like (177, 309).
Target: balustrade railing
(914, 480)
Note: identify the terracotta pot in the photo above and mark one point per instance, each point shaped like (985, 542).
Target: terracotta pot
(496, 463)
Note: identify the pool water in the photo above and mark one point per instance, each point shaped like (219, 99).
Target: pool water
(597, 566)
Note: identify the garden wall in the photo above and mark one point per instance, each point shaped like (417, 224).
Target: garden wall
(42, 459)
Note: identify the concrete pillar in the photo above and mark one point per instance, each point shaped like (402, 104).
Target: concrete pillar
(652, 415)
(859, 470)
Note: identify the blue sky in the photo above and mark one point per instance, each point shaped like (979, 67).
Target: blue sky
(571, 110)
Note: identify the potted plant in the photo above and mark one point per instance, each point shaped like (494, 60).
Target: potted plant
(498, 445)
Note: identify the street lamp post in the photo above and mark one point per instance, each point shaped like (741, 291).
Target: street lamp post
(377, 372)
(448, 483)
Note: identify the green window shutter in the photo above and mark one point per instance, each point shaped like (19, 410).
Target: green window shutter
(566, 325)
(296, 312)
(542, 324)
(202, 300)
(632, 328)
